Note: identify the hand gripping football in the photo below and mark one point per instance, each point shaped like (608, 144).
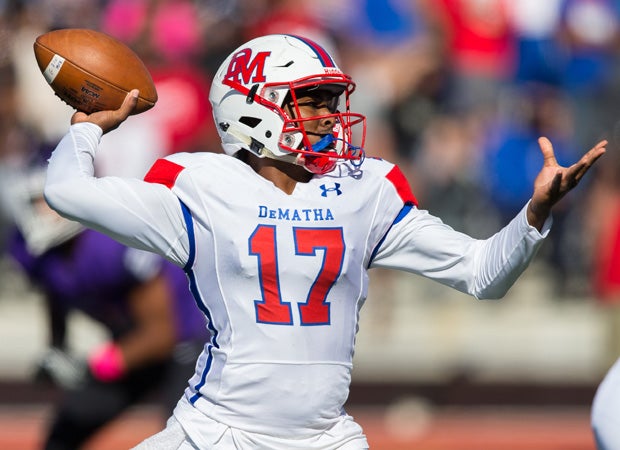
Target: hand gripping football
(91, 71)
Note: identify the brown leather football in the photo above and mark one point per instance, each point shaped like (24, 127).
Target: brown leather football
(91, 71)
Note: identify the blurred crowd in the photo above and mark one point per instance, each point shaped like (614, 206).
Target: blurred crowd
(456, 92)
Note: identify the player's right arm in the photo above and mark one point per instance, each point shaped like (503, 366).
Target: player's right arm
(136, 213)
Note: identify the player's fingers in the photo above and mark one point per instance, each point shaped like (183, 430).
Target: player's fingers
(595, 153)
(547, 150)
(601, 145)
(129, 103)
(579, 169)
(556, 184)
(78, 116)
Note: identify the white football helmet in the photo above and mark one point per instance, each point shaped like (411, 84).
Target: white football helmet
(248, 96)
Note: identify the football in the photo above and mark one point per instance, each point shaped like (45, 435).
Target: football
(92, 71)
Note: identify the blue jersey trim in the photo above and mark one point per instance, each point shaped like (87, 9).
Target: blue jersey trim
(193, 287)
(189, 224)
(402, 213)
(214, 333)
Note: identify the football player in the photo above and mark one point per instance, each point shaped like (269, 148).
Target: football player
(605, 419)
(277, 236)
(140, 299)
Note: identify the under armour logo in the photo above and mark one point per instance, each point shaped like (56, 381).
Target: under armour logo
(245, 69)
(335, 188)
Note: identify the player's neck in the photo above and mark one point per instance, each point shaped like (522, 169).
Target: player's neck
(284, 176)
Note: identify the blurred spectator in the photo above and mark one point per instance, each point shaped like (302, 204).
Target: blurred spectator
(590, 32)
(603, 228)
(11, 140)
(540, 56)
(183, 112)
(288, 16)
(142, 301)
(602, 231)
(169, 37)
(15, 138)
(511, 158)
(37, 108)
(435, 77)
(480, 47)
(605, 198)
(386, 48)
(169, 28)
(446, 175)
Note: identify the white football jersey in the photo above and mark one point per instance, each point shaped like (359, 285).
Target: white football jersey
(280, 278)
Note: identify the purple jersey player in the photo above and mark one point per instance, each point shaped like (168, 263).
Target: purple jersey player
(143, 301)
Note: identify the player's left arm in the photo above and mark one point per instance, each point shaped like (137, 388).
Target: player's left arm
(421, 243)
(484, 268)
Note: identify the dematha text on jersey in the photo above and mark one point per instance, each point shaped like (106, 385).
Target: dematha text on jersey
(296, 215)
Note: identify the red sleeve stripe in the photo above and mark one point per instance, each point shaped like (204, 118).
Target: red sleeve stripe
(163, 172)
(401, 184)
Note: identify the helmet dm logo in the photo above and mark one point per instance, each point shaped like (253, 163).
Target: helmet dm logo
(245, 68)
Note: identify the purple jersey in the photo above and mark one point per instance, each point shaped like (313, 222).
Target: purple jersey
(95, 274)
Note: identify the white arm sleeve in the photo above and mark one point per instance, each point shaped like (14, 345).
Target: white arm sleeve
(485, 268)
(136, 213)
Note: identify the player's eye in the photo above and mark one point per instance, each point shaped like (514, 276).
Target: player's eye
(317, 105)
(331, 105)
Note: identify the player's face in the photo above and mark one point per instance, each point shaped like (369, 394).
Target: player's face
(315, 104)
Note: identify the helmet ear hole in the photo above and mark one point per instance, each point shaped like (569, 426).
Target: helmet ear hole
(251, 122)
